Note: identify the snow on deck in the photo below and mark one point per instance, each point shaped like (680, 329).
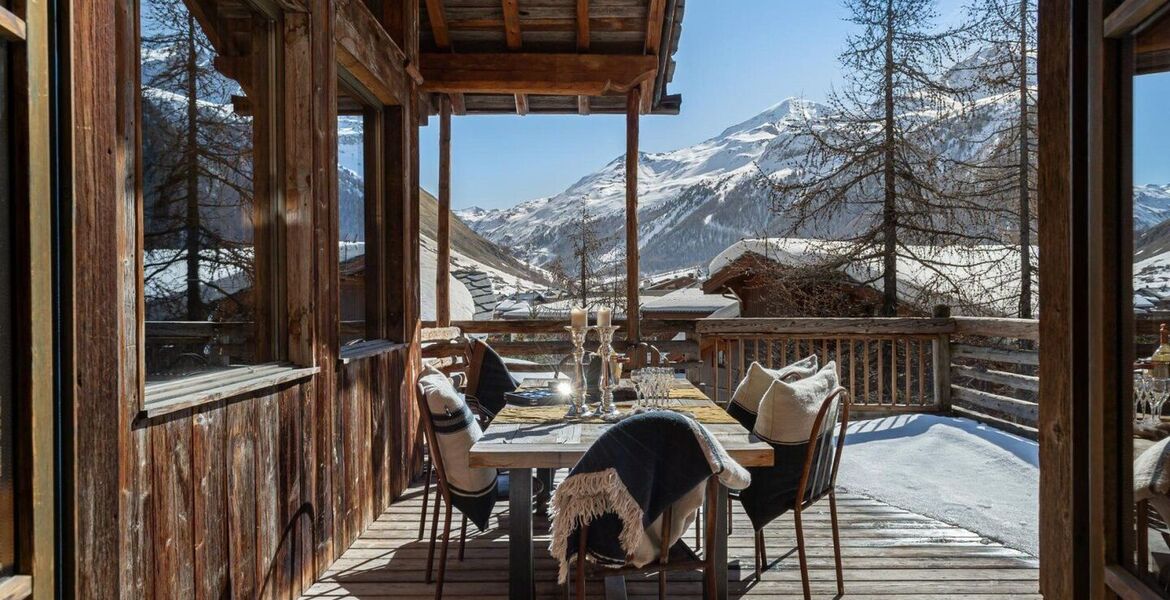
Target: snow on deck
(951, 469)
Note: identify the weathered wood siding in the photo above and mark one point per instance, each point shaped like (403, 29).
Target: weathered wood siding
(251, 496)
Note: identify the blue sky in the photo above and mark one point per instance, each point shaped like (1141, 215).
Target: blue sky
(732, 64)
(1151, 131)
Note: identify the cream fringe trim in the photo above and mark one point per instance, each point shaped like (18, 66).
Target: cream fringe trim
(586, 496)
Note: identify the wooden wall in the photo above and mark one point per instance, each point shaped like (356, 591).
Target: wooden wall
(250, 496)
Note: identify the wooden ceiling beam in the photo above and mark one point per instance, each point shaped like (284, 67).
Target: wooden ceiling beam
(605, 24)
(654, 26)
(582, 25)
(368, 53)
(522, 73)
(521, 104)
(438, 19)
(512, 24)
(458, 105)
(582, 105)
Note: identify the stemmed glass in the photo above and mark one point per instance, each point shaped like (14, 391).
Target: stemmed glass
(1141, 385)
(638, 378)
(1157, 392)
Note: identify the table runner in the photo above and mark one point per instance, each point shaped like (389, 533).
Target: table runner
(708, 414)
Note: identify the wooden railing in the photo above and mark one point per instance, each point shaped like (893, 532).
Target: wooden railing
(886, 364)
(982, 368)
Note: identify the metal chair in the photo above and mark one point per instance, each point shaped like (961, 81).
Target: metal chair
(818, 479)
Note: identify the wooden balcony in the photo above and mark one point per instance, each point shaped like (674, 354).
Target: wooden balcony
(887, 552)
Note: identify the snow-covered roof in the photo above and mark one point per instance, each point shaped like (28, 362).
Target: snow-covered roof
(461, 303)
(981, 278)
(687, 300)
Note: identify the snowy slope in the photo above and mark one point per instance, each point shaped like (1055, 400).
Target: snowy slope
(951, 469)
(698, 200)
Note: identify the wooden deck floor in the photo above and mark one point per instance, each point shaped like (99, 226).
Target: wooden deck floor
(888, 552)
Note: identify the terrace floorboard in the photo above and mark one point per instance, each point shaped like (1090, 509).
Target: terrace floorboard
(886, 552)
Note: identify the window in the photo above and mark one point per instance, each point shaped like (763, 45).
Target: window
(209, 297)
(358, 214)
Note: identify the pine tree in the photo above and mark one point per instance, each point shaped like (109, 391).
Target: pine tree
(874, 147)
(198, 172)
(1004, 33)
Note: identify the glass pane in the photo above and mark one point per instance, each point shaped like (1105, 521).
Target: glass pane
(7, 430)
(1151, 305)
(199, 275)
(351, 217)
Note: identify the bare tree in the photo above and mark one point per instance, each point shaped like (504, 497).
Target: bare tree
(1004, 33)
(872, 158)
(198, 171)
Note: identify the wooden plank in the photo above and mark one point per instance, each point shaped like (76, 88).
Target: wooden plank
(512, 34)
(438, 18)
(443, 241)
(527, 326)
(12, 27)
(368, 53)
(633, 270)
(654, 18)
(1130, 15)
(941, 363)
(1019, 409)
(1024, 329)
(974, 414)
(268, 528)
(1029, 383)
(524, 73)
(521, 104)
(582, 25)
(867, 326)
(174, 575)
(998, 355)
(16, 587)
(241, 494)
(211, 506)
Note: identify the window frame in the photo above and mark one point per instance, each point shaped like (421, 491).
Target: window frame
(269, 234)
(375, 197)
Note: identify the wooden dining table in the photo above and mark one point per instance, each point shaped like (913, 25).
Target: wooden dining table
(522, 439)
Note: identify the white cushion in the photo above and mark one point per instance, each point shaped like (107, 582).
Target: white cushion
(751, 389)
(456, 430)
(789, 409)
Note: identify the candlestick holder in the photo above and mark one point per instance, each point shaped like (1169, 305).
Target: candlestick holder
(578, 407)
(607, 383)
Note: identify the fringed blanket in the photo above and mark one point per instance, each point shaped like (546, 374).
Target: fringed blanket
(624, 483)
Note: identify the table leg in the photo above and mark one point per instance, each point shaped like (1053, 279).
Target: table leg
(521, 581)
(717, 547)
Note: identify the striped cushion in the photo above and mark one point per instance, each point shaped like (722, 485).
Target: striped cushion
(473, 491)
(745, 402)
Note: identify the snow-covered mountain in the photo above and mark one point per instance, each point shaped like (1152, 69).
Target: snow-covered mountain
(696, 201)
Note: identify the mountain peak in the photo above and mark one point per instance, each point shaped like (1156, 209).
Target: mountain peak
(793, 107)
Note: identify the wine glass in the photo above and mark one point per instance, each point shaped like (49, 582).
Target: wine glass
(639, 378)
(1157, 391)
(1140, 391)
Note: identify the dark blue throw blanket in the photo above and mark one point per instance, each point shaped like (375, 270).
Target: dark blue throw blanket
(628, 478)
(773, 489)
(494, 380)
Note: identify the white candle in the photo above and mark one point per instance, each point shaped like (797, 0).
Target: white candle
(604, 316)
(578, 318)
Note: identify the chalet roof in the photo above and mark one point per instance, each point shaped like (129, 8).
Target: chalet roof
(513, 57)
(982, 279)
(689, 301)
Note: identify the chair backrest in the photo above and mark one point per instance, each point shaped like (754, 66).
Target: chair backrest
(824, 452)
(432, 441)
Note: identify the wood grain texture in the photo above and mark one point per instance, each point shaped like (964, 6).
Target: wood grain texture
(526, 73)
(633, 267)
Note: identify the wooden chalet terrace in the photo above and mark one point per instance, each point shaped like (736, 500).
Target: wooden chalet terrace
(210, 390)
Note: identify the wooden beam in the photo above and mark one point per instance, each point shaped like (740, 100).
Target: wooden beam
(654, 18)
(634, 333)
(11, 26)
(582, 105)
(368, 53)
(458, 106)
(521, 104)
(443, 270)
(1130, 15)
(438, 20)
(512, 24)
(582, 25)
(522, 73)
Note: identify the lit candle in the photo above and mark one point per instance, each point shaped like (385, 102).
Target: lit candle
(578, 318)
(604, 316)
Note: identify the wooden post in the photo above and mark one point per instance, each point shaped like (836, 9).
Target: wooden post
(633, 316)
(942, 363)
(443, 261)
